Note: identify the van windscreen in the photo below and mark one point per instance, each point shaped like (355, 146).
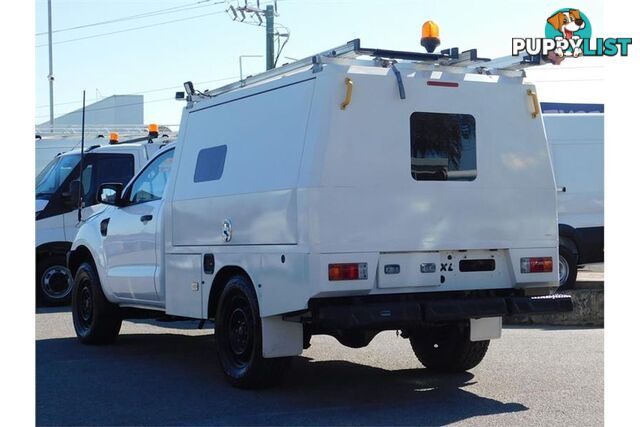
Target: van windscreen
(54, 174)
(443, 147)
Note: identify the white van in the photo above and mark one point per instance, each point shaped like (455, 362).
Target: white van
(50, 143)
(49, 146)
(576, 142)
(355, 191)
(57, 205)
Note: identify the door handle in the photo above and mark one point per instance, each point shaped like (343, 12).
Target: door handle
(146, 218)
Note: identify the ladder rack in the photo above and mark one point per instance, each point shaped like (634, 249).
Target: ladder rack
(95, 130)
(467, 61)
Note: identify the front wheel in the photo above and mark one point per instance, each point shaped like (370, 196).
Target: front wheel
(53, 281)
(95, 319)
(447, 348)
(238, 336)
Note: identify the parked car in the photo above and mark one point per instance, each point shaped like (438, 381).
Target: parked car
(335, 195)
(576, 142)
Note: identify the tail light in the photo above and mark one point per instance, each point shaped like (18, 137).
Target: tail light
(536, 265)
(350, 271)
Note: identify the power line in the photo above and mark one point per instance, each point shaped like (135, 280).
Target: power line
(175, 9)
(122, 105)
(156, 25)
(139, 93)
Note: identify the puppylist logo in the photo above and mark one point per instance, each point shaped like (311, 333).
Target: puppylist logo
(568, 33)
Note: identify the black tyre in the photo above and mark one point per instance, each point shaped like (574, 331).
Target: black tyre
(568, 266)
(95, 319)
(54, 282)
(238, 335)
(447, 348)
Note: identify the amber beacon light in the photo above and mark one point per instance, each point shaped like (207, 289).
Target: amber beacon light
(153, 130)
(430, 36)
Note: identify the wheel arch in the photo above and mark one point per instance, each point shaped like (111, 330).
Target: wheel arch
(51, 248)
(567, 238)
(217, 286)
(77, 256)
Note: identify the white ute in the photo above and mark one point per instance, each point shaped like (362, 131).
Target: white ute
(352, 192)
(57, 194)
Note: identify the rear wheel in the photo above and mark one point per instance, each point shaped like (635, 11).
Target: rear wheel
(95, 319)
(239, 338)
(447, 348)
(54, 282)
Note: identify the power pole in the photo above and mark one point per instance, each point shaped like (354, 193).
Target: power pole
(270, 47)
(50, 76)
(252, 13)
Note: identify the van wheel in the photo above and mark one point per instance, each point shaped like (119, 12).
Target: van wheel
(95, 319)
(447, 348)
(238, 333)
(53, 281)
(568, 268)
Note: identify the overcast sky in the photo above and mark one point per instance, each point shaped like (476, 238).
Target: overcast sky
(156, 60)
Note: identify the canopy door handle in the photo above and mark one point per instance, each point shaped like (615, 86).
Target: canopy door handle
(536, 104)
(347, 99)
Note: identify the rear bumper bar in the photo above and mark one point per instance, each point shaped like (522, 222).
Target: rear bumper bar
(406, 313)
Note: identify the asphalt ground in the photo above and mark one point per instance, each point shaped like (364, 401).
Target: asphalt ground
(155, 375)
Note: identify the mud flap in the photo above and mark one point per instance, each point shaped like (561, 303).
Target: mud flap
(281, 338)
(485, 329)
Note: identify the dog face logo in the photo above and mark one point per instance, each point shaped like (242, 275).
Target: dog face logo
(567, 22)
(567, 32)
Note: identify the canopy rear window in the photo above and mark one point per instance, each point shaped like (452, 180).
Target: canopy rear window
(443, 147)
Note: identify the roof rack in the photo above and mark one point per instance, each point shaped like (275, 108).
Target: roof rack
(71, 131)
(104, 129)
(150, 139)
(466, 61)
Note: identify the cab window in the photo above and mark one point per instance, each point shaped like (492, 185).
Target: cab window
(150, 184)
(105, 168)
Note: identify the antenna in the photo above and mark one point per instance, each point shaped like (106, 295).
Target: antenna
(80, 189)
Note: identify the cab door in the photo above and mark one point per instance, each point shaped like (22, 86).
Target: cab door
(130, 243)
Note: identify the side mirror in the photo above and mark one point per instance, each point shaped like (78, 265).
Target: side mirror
(110, 194)
(72, 197)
